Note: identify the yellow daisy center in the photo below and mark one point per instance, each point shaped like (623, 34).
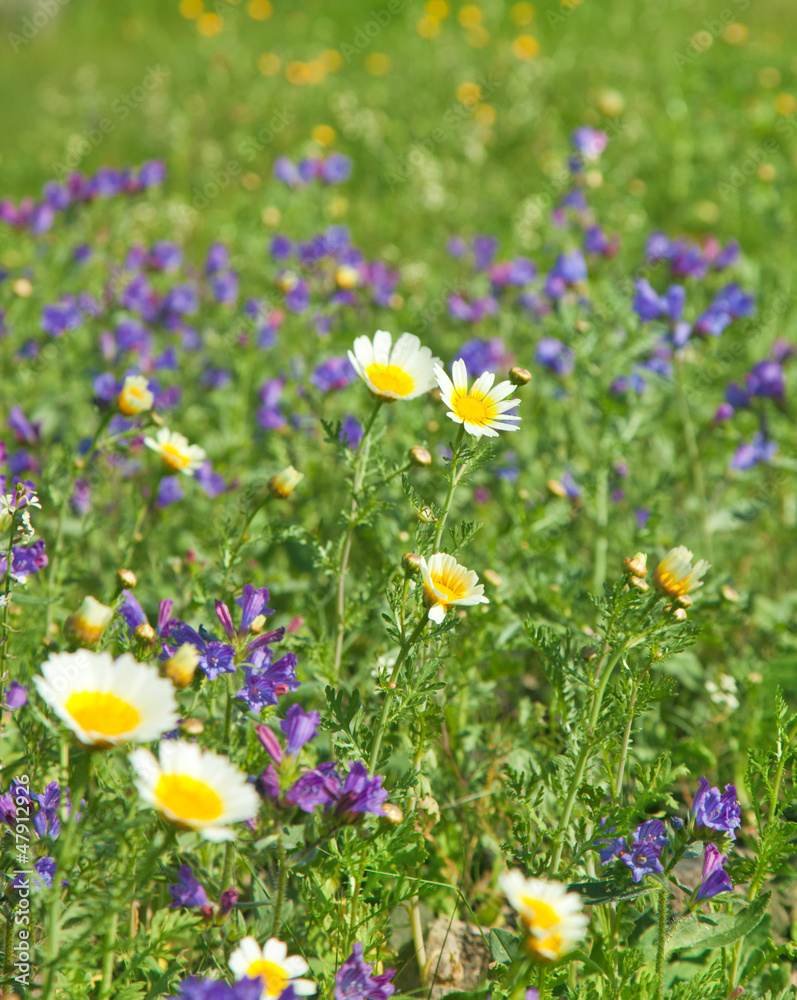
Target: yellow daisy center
(673, 585)
(96, 712)
(188, 798)
(132, 400)
(390, 378)
(451, 589)
(174, 457)
(273, 976)
(473, 408)
(544, 948)
(544, 915)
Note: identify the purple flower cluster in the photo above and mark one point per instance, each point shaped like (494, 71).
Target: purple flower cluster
(344, 798)
(715, 812)
(354, 980)
(643, 855)
(484, 356)
(38, 216)
(189, 893)
(688, 259)
(215, 989)
(335, 168)
(25, 561)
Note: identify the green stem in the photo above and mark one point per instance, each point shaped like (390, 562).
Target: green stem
(391, 688)
(107, 958)
(9, 947)
(226, 872)
(581, 764)
(453, 479)
(601, 537)
(282, 881)
(627, 733)
(661, 944)
(6, 638)
(694, 454)
(360, 465)
(77, 789)
(233, 555)
(228, 712)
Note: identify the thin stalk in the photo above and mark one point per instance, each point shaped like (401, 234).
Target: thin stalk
(601, 536)
(107, 958)
(233, 556)
(694, 455)
(9, 947)
(415, 904)
(5, 638)
(661, 944)
(627, 733)
(578, 774)
(360, 464)
(228, 712)
(229, 857)
(391, 687)
(454, 477)
(281, 883)
(355, 899)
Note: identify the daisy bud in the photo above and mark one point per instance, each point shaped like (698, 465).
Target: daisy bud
(135, 396)
(556, 488)
(257, 625)
(679, 615)
(126, 578)
(180, 667)
(637, 565)
(684, 600)
(639, 583)
(420, 456)
(144, 633)
(89, 621)
(730, 594)
(519, 376)
(285, 482)
(588, 652)
(392, 813)
(492, 577)
(411, 562)
(427, 516)
(192, 727)
(347, 277)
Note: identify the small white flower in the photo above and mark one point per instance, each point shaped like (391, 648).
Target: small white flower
(195, 788)
(176, 452)
(676, 577)
(446, 583)
(89, 621)
(135, 396)
(276, 968)
(105, 701)
(401, 371)
(549, 913)
(482, 409)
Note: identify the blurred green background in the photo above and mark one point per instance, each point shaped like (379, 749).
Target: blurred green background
(700, 99)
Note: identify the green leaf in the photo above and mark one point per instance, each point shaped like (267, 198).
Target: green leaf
(606, 891)
(503, 944)
(718, 930)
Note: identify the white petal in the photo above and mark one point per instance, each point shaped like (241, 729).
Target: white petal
(437, 613)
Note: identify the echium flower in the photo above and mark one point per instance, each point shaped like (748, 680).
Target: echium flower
(714, 812)
(643, 855)
(253, 604)
(345, 801)
(715, 879)
(354, 979)
(188, 892)
(266, 680)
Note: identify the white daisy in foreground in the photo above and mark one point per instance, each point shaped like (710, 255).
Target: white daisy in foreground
(273, 965)
(549, 913)
(482, 409)
(195, 788)
(403, 371)
(675, 575)
(446, 583)
(135, 396)
(105, 701)
(175, 451)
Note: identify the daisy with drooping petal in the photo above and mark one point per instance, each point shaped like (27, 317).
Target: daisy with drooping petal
(105, 701)
(273, 965)
(446, 583)
(175, 451)
(195, 788)
(549, 913)
(135, 396)
(482, 409)
(675, 575)
(401, 371)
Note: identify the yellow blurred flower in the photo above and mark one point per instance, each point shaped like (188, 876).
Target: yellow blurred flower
(736, 33)
(191, 9)
(259, 10)
(377, 63)
(485, 115)
(269, 64)
(469, 93)
(469, 16)
(296, 73)
(209, 25)
(522, 13)
(315, 71)
(324, 135)
(785, 104)
(428, 27)
(525, 47)
(436, 8)
(331, 60)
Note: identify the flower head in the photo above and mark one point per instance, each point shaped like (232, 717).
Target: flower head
(715, 879)
(106, 702)
(135, 396)
(195, 788)
(549, 913)
(89, 621)
(276, 969)
(482, 409)
(402, 370)
(285, 482)
(715, 810)
(446, 583)
(676, 577)
(354, 979)
(175, 450)
(188, 892)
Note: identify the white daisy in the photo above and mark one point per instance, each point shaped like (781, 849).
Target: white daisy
(175, 450)
(272, 963)
(403, 371)
(676, 577)
(135, 396)
(106, 702)
(482, 409)
(446, 583)
(549, 913)
(89, 621)
(195, 788)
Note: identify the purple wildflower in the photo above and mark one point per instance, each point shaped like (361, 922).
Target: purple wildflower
(590, 142)
(554, 355)
(767, 379)
(748, 455)
(715, 879)
(334, 373)
(16, 696)
(215, 989)
(354, 979)
(483, 355)
(713, 810)
(169, 491)
(188, 892)
(299, 728)
(351, 432)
